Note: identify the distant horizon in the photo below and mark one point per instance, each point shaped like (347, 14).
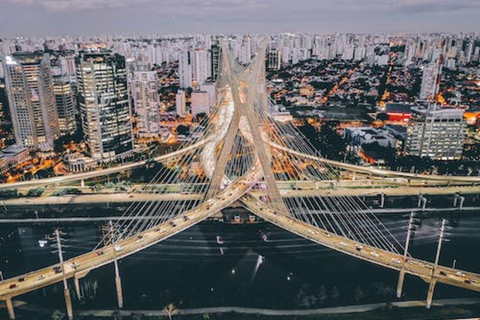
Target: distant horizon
(147, 35)
(56, 18)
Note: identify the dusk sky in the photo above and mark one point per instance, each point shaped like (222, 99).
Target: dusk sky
(93, 17)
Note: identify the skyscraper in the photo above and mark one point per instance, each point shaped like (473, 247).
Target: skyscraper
(104, 104)
(185, 69)
(201, 66)
(31, 97)
(64, 101)
(215, 54)
(146, 102)
(437, 133)
(429, 82)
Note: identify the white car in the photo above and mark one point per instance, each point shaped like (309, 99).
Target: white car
(395, 260)
(118, 247)
(373, 253)
(460, 274)
(343, 244)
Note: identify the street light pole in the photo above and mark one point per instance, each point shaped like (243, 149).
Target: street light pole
(66, 292)
(401, 277)
(433, 280)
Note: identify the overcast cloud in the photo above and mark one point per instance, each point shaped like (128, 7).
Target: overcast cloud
(83, 17)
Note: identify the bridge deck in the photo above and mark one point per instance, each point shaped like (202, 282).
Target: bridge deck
(416, 267)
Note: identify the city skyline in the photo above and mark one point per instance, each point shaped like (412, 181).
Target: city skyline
(75, 17)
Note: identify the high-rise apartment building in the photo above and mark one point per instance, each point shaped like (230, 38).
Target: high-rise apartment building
(215, 56)
(181, 103)
(146, 102)
(429, 85)
(211, 89)
(185, 69)
(104, 104)
(201, 66)
(30, 90)
(274, 59)
(437, 133)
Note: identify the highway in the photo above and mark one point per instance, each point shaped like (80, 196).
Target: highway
(82, 264)
(416, 267)
(129, 197)
(380, 172)
(98, 173)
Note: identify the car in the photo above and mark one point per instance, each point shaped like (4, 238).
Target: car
(467, 281)
(139, 238)
(159, 229)
(395, 260)
(41, 277)
(442, 273)
(13, 285)
(74, 265)
(118, 247)
(310, 231)
(343, 244)
(373, 253)
(172, 224)
(186, 218)
(358, 247)
(21, 279)
(57, 269)
(460, 274)
(99, 253)
(326, 234)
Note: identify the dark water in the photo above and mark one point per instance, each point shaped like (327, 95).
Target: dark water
(193, 270)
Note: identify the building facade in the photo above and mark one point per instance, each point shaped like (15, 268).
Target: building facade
(104, 104)
(30, 89)
(146, 102)
(436, 133)
(181, 103)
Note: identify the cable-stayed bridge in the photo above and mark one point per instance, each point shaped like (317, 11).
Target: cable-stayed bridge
(244, 150)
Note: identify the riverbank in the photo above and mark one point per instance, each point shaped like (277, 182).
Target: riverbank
(401, 310)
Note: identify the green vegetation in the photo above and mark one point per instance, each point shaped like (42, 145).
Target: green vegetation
(8, 194)
(37, 192)
(67, 191)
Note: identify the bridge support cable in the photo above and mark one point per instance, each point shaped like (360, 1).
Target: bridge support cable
(175, 172)
(351, 216)
(354, 206)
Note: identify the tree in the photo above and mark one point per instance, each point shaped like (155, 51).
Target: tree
(201, 116)
(183, 130)
(382, 116)
(37, 192)
(170, 310)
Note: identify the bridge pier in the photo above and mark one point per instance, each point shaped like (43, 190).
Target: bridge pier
(77, 288)
(118, 285)
(401, 277)
(431, 289)
(11, 312)
(422, 201)
(401, 280)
